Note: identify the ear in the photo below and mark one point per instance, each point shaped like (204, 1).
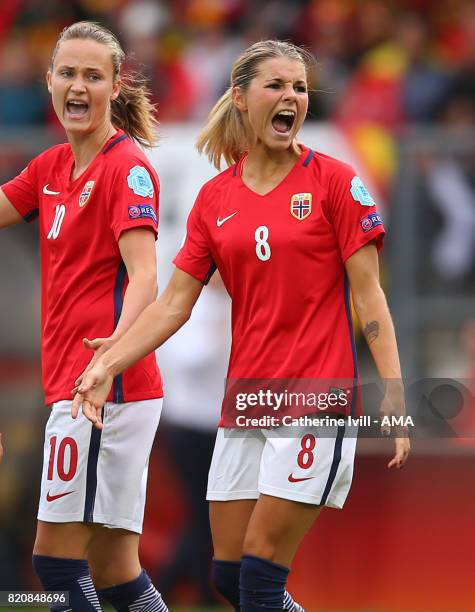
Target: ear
(48, 80)
(116, 90)
(239, 99)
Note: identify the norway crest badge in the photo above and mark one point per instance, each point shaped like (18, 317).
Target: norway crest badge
(85, 193)
(301, 205)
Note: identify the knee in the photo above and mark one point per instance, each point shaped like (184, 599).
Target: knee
(261, 544)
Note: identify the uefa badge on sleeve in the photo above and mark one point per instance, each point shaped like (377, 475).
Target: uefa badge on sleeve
(85, 193)
(301, 205)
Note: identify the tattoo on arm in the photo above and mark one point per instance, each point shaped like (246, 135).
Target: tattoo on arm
(371, 331)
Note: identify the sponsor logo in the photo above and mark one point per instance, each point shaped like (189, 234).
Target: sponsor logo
(141, 211)
(219, 222)
(140, 182)
(372, 220)
(50, 498)
(301, 205)
(86, 192)
(46, 191)
(293, 479)
(360, 193)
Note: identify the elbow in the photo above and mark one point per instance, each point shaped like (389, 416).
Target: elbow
(147, 282)
(183, 316)
(153, 288)
(176, 312)
(364, 300)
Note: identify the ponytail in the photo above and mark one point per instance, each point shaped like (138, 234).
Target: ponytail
(224, 135)
(133, 112)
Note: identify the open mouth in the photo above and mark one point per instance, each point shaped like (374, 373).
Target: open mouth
(76, 108)
(283, 121)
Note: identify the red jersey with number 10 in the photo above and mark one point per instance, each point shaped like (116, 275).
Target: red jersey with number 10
(83, 277)
(281, 257)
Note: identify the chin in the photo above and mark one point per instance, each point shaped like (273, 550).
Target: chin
(280, 144)
(74, 127)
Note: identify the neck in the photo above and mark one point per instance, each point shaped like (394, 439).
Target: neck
(265, 161)
(85, 148)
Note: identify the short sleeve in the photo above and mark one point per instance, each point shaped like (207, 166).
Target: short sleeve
(195, 256)
(352, 211)
(134, 198)
(22, 192)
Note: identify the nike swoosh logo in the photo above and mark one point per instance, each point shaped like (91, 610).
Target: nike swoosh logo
(219, 222)
(51, 498)
(46, 191)
(293, 479)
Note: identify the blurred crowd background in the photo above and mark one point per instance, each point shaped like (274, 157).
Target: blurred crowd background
(393, 94)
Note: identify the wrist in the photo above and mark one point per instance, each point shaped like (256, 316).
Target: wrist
(107, 362)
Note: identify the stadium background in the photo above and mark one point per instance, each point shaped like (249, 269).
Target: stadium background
(395, 96)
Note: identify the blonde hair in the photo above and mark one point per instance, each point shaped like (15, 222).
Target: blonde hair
(225, 134)
(132, 110)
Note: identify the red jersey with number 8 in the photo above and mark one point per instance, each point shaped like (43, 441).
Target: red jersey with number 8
(281, 257)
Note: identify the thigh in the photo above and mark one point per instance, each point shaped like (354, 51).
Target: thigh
(234, 470)
(313, 465)
(122, 464)
(276, 528)
(229, 522)
(113, 556)
(66, 461)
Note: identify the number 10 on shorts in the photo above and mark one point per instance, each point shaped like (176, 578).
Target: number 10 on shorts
(66, 448)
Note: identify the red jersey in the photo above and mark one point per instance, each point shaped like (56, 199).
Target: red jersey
(281, 257)
(83, 277)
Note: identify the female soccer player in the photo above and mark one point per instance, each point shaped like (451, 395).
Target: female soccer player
(290, 230)
(97, 202)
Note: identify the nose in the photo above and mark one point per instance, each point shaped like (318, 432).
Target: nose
(289, 92)
(78, 85)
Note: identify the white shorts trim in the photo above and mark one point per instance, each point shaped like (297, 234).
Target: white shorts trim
(96, 476)
(247, 463)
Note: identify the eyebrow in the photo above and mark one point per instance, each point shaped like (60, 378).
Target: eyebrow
(90, 68)
(282, 80)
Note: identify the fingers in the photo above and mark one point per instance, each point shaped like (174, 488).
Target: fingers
(77, 401)
(88, 382)
(93, 345)
(93, 414)
(402, 453)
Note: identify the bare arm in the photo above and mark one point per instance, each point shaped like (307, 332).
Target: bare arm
(137, 248)
(8, 213)
(373, 313)
(153, 327)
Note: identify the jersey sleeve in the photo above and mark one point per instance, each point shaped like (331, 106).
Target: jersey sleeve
(22, 192)
(134, 198)
(195, 256)
(352, 211)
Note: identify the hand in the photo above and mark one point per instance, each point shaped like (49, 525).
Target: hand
(92, 394)
(403, 447)
(99, 346)
(393, 407)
